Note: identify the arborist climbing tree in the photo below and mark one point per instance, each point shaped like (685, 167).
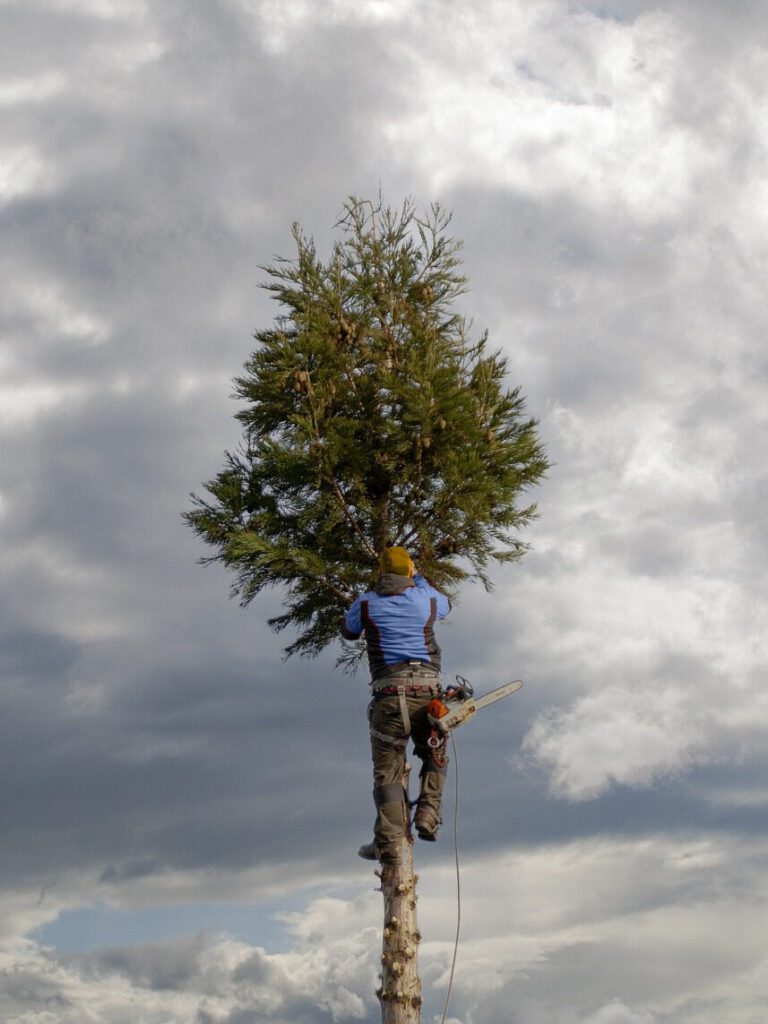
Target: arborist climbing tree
(374, 426)
(397, 618)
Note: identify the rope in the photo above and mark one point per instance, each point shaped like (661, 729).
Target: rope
(458, 877)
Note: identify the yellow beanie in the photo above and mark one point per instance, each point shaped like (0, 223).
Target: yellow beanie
(397, 561)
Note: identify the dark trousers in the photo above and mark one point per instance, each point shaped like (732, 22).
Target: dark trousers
(386, 720)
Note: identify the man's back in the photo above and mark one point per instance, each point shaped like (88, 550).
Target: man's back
(397, 618)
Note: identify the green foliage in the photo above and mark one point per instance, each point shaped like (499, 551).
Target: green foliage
(370, 419)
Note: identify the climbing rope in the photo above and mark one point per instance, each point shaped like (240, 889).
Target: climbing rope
(458, 876)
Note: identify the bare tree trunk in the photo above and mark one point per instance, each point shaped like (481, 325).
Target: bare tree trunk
(400, 992)
(381, 524)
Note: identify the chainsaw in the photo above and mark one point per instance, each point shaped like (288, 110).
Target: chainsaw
(457, 704)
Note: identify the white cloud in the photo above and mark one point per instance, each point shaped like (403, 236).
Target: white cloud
(31, 89)
(22, 404)
(550, 99)
(615, 736)
(668, 668)
(207, 978)
(616, 1013)
(285, 22)
(607, 932)
(23, 171)
(119, 10)
(55, 313)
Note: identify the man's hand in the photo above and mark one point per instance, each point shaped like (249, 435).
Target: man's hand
(412, 570)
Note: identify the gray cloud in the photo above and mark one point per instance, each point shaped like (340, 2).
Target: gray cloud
(604, 165)
(598, 932)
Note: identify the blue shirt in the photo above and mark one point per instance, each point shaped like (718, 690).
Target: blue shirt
(398, 623)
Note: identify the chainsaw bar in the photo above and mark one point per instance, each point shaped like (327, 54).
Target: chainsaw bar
(460, 710)
(497, 694)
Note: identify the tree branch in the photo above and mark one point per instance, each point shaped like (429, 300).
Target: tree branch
(331, 477)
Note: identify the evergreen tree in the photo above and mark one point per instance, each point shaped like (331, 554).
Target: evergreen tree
(371, 419)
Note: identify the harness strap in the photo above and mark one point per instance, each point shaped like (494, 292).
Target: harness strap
(388, 739)
(404, 711)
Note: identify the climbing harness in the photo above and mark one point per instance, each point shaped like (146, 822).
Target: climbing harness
(404, 711)
(400, 690)
(394, 740)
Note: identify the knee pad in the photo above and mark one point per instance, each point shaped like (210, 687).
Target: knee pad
(391, 794)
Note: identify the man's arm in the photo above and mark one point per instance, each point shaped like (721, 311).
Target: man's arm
(443, 601)
(352, 626)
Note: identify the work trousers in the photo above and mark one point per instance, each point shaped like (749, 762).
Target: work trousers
(386, 720)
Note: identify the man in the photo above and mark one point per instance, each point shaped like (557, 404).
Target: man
(397, 618)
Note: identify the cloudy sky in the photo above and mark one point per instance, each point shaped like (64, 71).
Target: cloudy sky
(180, 807)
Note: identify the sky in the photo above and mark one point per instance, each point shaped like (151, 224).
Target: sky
(181, 807)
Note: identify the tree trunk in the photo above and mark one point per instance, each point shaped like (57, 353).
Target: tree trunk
(380, 525)
(400, 992)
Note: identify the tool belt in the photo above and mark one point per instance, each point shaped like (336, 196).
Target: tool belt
(392, 691)
(411, 676)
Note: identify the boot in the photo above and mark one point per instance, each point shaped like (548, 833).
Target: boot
(385, 854)
(426, 822)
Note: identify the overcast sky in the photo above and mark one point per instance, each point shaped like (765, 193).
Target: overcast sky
(180, 807)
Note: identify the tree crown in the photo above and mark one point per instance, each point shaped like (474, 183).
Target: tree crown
(370, 419)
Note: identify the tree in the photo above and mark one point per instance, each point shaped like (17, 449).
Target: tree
(371, 419)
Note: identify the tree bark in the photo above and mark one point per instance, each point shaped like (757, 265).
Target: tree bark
(400, 992)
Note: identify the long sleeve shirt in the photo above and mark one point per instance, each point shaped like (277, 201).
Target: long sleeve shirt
(398, 618)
